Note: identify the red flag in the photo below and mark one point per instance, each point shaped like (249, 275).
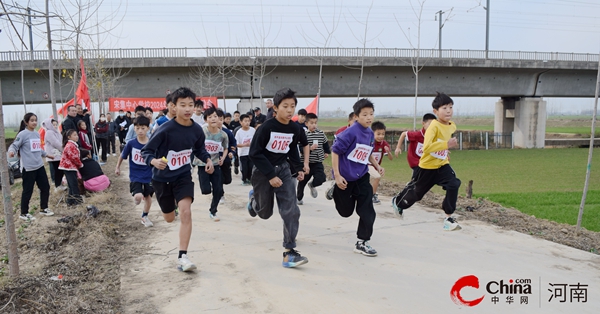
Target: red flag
(313, 107)
(82, 92)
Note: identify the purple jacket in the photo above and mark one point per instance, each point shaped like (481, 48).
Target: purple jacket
(345, 144)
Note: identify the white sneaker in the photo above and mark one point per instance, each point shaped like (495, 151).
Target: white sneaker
(313, 191)
(61, 188)
(214, 217)
(450, 224)
(222, 200)
(184, 264)
(47, 212)
(146, 222)
(28, 217)
(114, 154)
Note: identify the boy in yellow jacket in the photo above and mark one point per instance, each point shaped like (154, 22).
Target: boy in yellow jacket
(434, 166)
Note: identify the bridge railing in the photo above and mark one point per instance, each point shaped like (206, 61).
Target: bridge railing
(314, 52)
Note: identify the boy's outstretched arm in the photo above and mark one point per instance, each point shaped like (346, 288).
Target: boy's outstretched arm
(400, 142)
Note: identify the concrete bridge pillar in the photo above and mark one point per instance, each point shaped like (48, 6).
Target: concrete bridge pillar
(525, 117)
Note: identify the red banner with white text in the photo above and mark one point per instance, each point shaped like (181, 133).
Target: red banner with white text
(129, 104)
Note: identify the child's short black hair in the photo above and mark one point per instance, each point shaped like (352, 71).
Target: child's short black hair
(227, 115)
(244, 116)
(168, 99)
(362, 103)
(139, 108)
(377, 125)
(302, 112)
(141, 121)
(310, 116)
(182, 93)
(212, 110)
(429, 116)
(149, 109)
(351, 116)
(236, 112)
(282, 94)
(198, 103)
(440, 100)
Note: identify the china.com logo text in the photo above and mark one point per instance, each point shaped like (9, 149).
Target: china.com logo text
(510, 287)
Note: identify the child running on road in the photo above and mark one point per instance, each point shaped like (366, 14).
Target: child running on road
(434, 166)
(415, 143)
(319, 150)
(274, 152)
(216, 141)
(140, 174)
(381, 148)
(168, 151)
(244, 138)
(351, 155)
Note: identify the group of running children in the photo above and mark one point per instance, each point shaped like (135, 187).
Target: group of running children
(270, 160)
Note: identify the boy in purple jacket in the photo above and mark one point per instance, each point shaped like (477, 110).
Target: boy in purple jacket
(351, 155)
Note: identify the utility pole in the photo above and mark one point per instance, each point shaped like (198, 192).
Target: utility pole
(487, 28)
(30, 32)
(50, 61)
(440, 13)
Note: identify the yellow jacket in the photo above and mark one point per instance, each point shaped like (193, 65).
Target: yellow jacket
(435, 145)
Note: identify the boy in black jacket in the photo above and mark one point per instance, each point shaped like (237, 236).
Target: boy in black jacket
(274, 152)
(168, 151)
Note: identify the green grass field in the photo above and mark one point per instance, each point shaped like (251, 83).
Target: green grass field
(547, 183)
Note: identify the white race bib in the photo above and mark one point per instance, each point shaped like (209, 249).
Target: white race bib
(279, 143)
(136, 157)
(442, 154)
(35, 145)
(213, 147)
(419, 150)
(179, 159)
(377, 156)
(360, 154)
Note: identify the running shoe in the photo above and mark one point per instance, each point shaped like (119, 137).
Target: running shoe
(146, 222)
(27, 217)
(329, 194)
(292, 258)
(363, 247)
(214, 217)
(398, 212)
(450, 224)
(47, 212)
(300, 202)
(184, 263)
(313, 190)
(376, 199)
(249, 205)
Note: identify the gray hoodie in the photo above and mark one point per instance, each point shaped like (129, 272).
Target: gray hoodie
(28, 145)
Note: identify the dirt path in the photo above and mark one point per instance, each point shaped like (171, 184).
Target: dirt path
(239, 264)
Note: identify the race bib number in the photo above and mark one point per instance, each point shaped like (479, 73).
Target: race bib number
(213, 147)
(360, 154)
(36, 145)
(377, 156)
(279, 143)
(419, 150)
(178, 159)
(247, 140)
(136, 157)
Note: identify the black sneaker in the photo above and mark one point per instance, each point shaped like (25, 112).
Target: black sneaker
(364, 248)
(329, 194)
(292, 258)
(236, 170)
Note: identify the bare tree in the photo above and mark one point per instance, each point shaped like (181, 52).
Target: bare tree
(11, 236)
(416, 56)
(363, 40)
(325, 31)
(590, 153)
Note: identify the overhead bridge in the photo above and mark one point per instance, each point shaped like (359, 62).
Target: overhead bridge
(519, 78)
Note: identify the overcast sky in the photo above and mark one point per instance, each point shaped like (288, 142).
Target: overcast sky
(525, 25)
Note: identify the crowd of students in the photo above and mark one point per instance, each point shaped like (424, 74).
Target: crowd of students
(275, 155)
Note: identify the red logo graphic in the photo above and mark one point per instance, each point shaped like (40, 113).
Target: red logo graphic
(466, 281)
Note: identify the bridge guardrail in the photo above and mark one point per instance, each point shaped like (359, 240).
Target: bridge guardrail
(249, 52)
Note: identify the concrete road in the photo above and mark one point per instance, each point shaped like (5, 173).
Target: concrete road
(239, 265)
